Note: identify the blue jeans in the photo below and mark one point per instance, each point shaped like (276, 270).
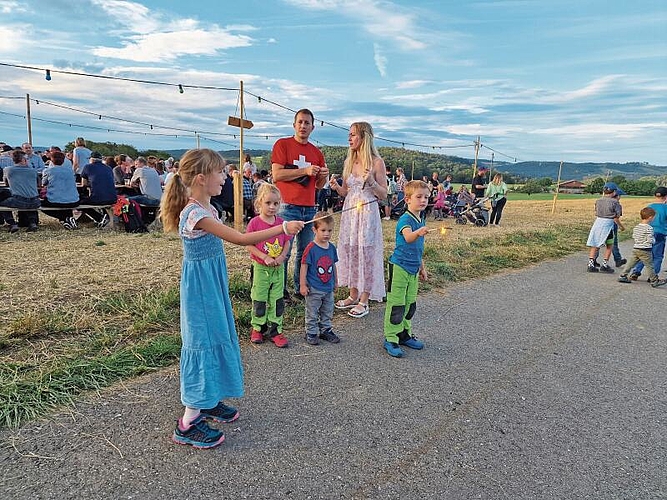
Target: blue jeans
(15, 201)
(319, 312)
(297, 212)
(323, 199)
(658, 251)
(145, 200)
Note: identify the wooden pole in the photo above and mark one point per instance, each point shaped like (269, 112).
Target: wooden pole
(238, 182)
(27, 116)
(491, 170)
(412, 174)
(553, 207)
(474, 166)
(197, 140)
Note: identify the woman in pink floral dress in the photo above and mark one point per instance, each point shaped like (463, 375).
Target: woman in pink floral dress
(360, 245)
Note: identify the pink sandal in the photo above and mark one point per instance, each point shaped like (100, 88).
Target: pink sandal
(347, 303)
(359, 311)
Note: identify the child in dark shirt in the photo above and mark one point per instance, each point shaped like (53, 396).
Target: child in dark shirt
(318, 281)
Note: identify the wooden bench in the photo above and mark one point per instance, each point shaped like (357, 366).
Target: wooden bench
(107, 208)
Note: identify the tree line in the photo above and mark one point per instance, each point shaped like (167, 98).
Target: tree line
(113, 149)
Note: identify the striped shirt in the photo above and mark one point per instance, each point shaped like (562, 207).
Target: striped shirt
(643, 236)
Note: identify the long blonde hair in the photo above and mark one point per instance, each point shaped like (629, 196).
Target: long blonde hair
(497, 179)
(367, 151)
(177, 191)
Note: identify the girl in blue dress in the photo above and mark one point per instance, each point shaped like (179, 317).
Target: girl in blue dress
(210, 365)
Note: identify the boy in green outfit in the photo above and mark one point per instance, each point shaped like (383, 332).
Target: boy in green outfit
(405, 269)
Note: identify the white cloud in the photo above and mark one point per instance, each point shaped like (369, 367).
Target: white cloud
(411, 84)
(380, 60)
(154, 47)
(602, 130)
(381, 19)
(596, 87)
(133, 16)
(150, 37)
(12, 7)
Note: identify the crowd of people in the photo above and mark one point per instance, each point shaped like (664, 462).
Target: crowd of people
(58, 183)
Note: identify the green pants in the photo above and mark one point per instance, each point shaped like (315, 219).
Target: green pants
(401, 303)
(267, 298)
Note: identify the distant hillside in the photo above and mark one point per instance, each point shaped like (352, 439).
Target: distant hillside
(229, 154)
(532, 169)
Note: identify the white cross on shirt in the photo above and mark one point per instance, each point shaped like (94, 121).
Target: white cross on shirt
(302, 163)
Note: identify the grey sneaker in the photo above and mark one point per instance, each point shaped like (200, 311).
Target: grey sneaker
(312, 339)
(329, 336)
(658, 282)
(624, 279)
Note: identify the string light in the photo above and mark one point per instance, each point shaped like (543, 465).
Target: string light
(260, 99)
(107, 77)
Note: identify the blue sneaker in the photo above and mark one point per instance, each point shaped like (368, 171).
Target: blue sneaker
(221, 413)
(393, 349)
(198, 435)
(412, 343)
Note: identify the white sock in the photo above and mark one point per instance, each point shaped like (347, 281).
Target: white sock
(189, 415)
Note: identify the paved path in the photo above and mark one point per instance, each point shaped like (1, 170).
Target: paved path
(543, 383)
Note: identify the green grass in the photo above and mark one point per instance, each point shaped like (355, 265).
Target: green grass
(50, 356)
(28, 392)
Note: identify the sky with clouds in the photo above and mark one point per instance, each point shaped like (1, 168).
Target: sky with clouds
(535, 79)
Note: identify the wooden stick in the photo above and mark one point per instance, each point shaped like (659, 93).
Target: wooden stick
(355, 207)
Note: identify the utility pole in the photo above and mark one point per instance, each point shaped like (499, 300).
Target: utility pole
(491, 172)
(28, 119)
(474, 167)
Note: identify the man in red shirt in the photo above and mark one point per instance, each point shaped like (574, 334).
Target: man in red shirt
(298, 170)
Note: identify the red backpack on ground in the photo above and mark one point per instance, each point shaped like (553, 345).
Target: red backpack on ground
(129, 213)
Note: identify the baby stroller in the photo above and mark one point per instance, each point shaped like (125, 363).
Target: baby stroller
(450, 209)
(476, 213)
